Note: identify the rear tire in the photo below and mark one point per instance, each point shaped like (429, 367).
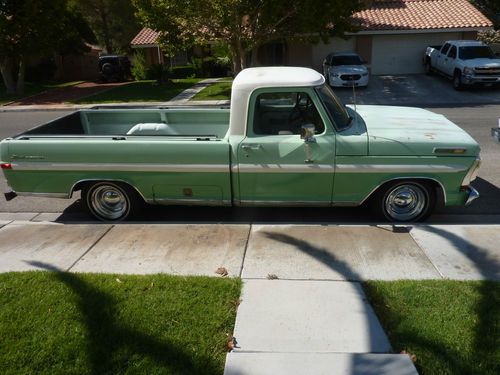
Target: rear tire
(110, 201)
(405, 201)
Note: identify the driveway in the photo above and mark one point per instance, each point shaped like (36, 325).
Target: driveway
(418, 90)
(67, 94)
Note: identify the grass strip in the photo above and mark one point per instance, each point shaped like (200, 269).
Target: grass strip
(141, 91)
(220, 90)
(452, 327)
(64, 323)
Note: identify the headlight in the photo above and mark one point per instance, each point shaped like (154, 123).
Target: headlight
(468, 71)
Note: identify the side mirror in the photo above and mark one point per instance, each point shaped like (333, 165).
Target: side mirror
(307, 132)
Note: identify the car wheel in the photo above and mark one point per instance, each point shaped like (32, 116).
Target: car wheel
(405, 201)
(457, 81)
(110, 201)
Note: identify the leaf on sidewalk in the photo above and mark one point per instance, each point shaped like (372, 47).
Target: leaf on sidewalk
(222, 271)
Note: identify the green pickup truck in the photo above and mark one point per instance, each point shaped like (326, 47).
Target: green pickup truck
(286, 141)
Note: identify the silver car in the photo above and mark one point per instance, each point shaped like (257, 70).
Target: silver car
(345, 70)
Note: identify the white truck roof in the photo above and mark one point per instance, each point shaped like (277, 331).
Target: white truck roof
(277, 76)
(463, 43)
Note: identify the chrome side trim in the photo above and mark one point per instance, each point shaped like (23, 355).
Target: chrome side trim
(398, 168)
(286, 168)
(128, 167)
(190, 202)
(44, 195)
(259, 203)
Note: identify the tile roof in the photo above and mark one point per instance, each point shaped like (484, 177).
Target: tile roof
(145, 37)
(420, 15)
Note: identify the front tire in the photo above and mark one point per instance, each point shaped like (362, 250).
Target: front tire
(110, 201)
(405, 201)
(428, 68)
(457, 81)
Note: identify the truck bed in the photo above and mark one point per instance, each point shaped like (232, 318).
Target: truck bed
(181, 122)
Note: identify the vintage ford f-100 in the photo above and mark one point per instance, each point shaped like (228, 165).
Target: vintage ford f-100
(287, 141)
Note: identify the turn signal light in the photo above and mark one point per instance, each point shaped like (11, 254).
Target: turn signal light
(6, 166)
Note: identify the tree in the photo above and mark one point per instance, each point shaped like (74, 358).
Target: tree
(490, 8)
(244, 25)
(113, 22)
(31, 28)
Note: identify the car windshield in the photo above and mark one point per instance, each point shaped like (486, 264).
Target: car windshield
(476, 52)
(346, 60)
(336, 111)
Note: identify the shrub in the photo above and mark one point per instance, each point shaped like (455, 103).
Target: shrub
(139, 69)
(184, 71)
(43, 71)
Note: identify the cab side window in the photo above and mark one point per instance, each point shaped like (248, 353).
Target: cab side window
(445, 48)
(453, 53)
(284, 113)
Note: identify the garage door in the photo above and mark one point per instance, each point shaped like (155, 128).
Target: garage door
(403, 53)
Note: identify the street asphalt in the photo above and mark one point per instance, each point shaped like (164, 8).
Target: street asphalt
(303, 310)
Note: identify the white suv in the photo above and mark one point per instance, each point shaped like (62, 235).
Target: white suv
(345, 70)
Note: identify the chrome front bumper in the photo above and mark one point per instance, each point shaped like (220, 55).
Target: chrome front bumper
(472, 195)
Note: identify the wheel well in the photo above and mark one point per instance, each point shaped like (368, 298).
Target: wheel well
(457, 72)
(438, 187)
(80, 185)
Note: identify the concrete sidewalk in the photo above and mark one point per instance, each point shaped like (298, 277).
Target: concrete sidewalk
(303, 310)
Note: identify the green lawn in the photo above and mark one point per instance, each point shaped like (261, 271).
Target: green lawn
(141, 91)
(218, 91)
(63, 323)
(451, 327)
(32, 89)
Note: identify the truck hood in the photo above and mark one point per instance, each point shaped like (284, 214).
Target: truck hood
(413, 131)
(349, 69)
(482, 63)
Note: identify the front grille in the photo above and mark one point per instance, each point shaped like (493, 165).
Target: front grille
(350, 77)
(487, 71)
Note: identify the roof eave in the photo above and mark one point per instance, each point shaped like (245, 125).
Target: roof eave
(145, 46)
(420, 31)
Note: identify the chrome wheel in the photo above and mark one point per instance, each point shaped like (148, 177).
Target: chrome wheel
(407, 201)
(108, 201)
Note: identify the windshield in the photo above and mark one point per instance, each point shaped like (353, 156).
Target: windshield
(346, 60)
(476, 52)
(336, 111)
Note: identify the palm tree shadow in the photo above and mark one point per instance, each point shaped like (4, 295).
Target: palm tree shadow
(107, 336)
(488, 309)
(343, 268)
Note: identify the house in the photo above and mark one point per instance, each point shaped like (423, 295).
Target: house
(147, 41)
(394, 34)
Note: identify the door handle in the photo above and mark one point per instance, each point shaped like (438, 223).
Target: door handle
(251, 147)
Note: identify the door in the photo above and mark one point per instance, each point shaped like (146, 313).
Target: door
(448, 63)
(277, 167)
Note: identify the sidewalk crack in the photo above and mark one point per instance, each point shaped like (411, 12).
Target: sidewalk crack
(245, 251)
(90, 248)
